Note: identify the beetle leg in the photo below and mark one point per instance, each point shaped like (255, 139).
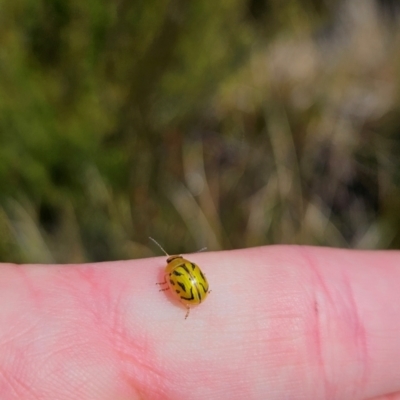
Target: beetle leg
(187, 312)
(163, 283)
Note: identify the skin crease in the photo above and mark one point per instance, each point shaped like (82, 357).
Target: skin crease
(282, 322)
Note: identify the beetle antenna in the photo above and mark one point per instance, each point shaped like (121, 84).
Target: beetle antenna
(159, 245)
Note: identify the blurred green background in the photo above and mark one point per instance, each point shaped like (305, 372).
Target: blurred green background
(223, 124)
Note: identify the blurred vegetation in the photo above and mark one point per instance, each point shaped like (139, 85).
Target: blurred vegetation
(222, 124)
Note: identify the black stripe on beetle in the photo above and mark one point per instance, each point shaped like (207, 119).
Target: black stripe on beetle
(191, 295)
(184, 267)
(201, 274)
(199, 295)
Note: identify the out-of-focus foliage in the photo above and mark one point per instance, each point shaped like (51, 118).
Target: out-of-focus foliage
(221, 124)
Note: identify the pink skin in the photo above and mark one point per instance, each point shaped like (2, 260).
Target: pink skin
(282, 322)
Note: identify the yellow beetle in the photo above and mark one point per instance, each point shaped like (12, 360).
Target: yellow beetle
(185, 279)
